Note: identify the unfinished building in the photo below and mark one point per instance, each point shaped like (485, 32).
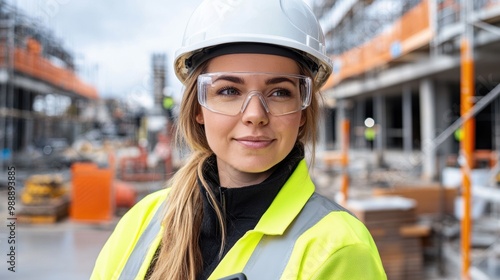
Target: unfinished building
(399, 79)
(41, 94)
(398, 62)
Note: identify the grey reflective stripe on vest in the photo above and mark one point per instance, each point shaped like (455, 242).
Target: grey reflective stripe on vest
(142, 246)
(270, 257)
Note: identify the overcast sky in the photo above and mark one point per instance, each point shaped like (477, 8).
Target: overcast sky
(114, 39)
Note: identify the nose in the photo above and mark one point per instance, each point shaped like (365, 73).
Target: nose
(254, 110)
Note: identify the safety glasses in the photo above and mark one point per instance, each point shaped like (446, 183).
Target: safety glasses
(229, 93)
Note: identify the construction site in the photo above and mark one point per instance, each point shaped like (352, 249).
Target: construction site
(409, 139)
(413, 102)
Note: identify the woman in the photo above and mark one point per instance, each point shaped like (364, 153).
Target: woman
(244, 204)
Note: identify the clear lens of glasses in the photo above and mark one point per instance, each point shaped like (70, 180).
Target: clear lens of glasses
(229, 93)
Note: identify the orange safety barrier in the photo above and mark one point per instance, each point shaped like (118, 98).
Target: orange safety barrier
(31, 63)
(92, 197)
(408, 33)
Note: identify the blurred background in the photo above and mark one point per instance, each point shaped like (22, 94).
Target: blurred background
(409, 135)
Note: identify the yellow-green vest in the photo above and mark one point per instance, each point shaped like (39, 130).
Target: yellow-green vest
(302, 235)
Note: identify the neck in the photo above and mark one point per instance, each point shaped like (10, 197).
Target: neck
(232, 178)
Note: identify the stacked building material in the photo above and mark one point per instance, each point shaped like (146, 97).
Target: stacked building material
(44, 199)
(392, 223)
(431, 199)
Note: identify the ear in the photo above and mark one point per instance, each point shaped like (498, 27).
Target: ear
(199, 118)
(302, 119)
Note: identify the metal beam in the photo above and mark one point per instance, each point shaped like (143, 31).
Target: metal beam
(488, 27)
(483, 102)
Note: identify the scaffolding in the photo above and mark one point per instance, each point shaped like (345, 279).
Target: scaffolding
(442, 52)
(7, 23)
(37, 76)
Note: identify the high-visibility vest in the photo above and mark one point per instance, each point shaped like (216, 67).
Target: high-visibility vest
(302, 235)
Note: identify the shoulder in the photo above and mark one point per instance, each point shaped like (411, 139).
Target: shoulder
(152, 200)
(336, 225)
(138, 217)
(336, 245)
(144, 210)
(325, 203)
(127, 232)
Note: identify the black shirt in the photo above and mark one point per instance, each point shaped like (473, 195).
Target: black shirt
(242, 207)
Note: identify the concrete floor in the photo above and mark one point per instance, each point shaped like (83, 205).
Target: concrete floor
(65, 250)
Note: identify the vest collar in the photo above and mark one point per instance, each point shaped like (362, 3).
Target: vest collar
(288, 203)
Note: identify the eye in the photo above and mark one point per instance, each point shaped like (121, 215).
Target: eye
(228, 91)
(281, 92)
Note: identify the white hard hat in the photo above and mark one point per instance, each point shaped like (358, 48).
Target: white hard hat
(285, 27)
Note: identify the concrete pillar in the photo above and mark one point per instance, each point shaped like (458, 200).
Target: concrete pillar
(28, 122)
(444, 117)
(359, 119)
(340, 115)
(407, 121)
(28, 133)
(323, 130)
(380, 123)
(427, 128)
(329, 128)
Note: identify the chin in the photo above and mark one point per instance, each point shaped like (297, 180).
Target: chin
(256, 167)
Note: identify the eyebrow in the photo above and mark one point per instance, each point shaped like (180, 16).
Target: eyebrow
(229, 78)
(238, 80)
(278, 80)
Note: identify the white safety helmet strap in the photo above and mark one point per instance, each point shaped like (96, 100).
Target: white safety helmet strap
(287, 24)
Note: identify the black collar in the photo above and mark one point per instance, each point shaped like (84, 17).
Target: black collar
(250, 202)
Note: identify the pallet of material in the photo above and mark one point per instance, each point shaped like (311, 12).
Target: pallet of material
(431, 199)
(385, 214)
(38, 219)
(51, 212)
(402, 257)
(392, 222)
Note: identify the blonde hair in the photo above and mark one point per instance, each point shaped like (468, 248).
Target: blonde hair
(180, 256)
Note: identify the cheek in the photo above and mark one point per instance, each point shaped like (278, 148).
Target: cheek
(289, 124)
(216, 126)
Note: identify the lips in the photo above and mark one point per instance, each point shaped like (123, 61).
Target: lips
(255, 142)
